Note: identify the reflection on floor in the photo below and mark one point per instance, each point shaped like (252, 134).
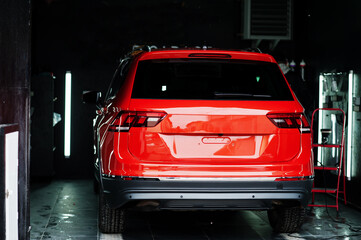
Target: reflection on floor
(68, 210)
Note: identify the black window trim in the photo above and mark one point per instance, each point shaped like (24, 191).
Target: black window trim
(121, 66)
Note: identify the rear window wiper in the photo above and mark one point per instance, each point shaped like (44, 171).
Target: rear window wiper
(221, 94)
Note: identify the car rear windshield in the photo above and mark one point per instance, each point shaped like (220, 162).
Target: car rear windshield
(209, 79)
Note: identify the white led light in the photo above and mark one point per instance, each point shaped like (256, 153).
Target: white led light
(153, 119)
(279, 120)
(320, 118)
(164, 88)
(349, 127)
(67, 125)
(333, 121)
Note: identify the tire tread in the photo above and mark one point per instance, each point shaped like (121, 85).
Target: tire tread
(286, 219)
(110, 220)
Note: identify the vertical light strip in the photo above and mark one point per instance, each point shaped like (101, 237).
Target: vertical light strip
(349, 126)
(333, 131)
(67, 125)
(320, 117)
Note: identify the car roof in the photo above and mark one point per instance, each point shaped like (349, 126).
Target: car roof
(205, 54)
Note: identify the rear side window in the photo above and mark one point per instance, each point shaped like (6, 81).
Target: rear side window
(209, 79)
(118, 79)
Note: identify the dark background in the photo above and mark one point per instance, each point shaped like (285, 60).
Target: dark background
(15, 32)
(88, 37)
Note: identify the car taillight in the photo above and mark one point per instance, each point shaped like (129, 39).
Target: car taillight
(127, 119)
(290, 120)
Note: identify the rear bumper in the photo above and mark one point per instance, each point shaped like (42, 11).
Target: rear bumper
(193, 194)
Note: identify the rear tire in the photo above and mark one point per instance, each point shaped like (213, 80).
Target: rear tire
(110, 220)
(286, 219)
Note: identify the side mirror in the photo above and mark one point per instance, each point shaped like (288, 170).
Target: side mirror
(91, 97)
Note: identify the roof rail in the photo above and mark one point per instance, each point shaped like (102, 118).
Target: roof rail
(147, 48)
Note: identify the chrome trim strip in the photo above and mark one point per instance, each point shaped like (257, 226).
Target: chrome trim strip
(217, 196)
(306, 177)
(221, 179)
(210, 179)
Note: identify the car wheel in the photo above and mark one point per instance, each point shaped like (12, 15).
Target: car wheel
(110, 220)
(286, 219)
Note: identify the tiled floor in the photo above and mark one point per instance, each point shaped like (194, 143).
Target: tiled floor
(63, 210)
(68, 210)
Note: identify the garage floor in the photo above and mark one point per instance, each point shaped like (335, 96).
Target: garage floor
(68, 210)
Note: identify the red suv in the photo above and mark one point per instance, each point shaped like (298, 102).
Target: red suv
(201, 129)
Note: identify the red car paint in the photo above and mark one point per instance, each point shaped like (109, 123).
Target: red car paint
(201, 129)
(202, 138)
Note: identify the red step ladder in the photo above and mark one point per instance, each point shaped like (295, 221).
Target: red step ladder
(340, 167)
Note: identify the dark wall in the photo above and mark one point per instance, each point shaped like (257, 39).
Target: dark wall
(89, 37)
(334, 35)
(14, 89)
